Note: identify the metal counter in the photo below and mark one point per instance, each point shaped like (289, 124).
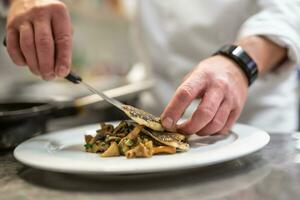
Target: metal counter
(272, 173)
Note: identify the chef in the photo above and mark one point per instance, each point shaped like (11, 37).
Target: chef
(237, 56)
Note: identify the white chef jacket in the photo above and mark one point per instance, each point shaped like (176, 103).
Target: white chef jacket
(173, 36)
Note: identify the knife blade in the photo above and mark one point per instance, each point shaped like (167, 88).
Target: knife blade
(74, 78)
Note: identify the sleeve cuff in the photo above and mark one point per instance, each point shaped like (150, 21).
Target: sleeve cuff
(281, 35)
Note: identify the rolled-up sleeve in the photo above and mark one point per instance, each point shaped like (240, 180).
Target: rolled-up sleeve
(279, 21)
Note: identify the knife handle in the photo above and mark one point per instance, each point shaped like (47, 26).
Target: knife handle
(74, 78)
(4, 41)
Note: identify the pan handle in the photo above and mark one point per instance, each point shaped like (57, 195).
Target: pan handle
(65, 109)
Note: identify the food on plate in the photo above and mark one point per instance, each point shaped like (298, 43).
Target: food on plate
(133, 140)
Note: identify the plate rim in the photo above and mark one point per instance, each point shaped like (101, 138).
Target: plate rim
(263, 141)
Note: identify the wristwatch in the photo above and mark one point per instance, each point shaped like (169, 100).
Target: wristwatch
(244, 61)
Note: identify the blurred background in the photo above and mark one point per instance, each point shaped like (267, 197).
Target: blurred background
(104, 57)
(102, 51)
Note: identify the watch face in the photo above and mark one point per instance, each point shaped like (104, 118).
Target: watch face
(238, 51)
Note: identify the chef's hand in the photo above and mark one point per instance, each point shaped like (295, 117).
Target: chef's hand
(39, 35)
(222, 87)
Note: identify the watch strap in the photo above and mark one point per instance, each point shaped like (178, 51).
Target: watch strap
(241, 57)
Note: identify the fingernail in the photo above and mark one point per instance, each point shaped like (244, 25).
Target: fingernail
(62, 71)
(167, 122)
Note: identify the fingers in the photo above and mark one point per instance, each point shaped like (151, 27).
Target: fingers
(184, 95)
(205, 112)
(230, 122)
(45, 48)
(27, 45)
(223, 91)
(219, 120)
(13, 47)
(62, 31)
(39, 35)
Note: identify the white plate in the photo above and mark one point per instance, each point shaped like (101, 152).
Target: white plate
(63, 152)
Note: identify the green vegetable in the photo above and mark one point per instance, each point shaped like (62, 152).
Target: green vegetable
(109, 138)
(129, 142)
(87, 146)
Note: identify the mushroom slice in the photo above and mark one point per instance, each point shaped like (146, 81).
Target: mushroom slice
(164, 150)
(169, 139)
(143, 118)
(113, 150)
(141, 150)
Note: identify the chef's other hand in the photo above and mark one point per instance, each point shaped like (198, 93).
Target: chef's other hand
(222, 87)
(39, 35)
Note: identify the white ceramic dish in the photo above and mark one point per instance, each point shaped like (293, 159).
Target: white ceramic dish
(63, 152)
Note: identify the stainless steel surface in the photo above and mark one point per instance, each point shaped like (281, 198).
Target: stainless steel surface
(270, 174)
(112, 101)
(95, 109)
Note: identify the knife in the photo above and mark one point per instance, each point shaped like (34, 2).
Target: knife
(74, 78)
(137, 115)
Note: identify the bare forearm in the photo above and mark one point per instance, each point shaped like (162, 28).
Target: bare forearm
(266, 53)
